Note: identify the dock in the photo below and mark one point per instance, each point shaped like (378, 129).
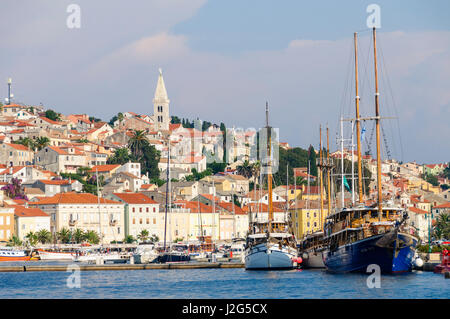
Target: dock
(89, 267)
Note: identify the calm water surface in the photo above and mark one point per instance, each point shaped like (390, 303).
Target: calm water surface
(220, 283)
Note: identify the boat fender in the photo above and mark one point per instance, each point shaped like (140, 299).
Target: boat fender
(418, 262)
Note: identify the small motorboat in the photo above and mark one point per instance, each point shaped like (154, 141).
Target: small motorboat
(9, 254)
(444, 266)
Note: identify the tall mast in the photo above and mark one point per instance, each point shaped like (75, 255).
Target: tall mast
(342, 162)
(213, 232)
(269, 171)
(377, 121)
(167, 194)
(98, 202)
(328, 174)
(320, 177)
(358, 124)
(287, 191)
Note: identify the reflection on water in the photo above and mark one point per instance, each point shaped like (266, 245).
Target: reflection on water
(219, 283)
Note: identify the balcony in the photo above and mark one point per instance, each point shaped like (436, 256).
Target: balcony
(73, 222)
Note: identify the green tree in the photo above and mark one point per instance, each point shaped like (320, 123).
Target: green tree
(129, 239)
(216, 167)
(92, 237)
(441, 229)
(154, 238)
(312, 161)
(175, 120)
(120, 156)
(32, 238)
(245, 169)
(44, 236)
(52, 115)
(143, 235)
(64, 235)
(28, 142)
(42, 142)
(79, 236)
(137, 143)
(14, 241)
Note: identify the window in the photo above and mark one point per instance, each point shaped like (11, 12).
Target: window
(1, 220)
(146, 210)
(154, 209)
(134, 210)
(140, 209)
(134, 221)
(8, 220)
(147, 221)
(140, 221)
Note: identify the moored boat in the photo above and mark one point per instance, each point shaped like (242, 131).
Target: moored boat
(56, 255)
(8, 254)
(311, 250)
(358, 236)
(270, 245)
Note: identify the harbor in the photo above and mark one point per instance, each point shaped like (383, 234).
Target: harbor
(220, 283)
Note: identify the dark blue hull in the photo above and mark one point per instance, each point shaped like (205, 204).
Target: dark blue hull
(357, 256)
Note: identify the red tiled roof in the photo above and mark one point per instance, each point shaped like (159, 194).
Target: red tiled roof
(417, 210)
(194, 206)
(135, 198)
(445, 205)
(105, 168)
(73, 198)
(18, 147)
(22, 211)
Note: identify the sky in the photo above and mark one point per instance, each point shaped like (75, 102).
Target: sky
(222, 60)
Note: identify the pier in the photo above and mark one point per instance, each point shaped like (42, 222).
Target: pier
(89, 267)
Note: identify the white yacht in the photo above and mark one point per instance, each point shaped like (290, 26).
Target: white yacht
(267, 252)
(145, 254)
(270, 244)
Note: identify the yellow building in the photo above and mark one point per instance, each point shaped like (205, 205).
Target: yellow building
(306, 217)
(6, 223)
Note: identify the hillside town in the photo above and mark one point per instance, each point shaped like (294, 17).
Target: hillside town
(66, 174)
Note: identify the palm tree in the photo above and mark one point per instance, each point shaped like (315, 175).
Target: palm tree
(64, 235)
(129, 239)
(245, 169)
(256, 170)
(28, 142)
(143, 235)
(14, 241)
(42, 142)
(92, 237)
(137, 142)
(44, 236)
(442, 227)
(154, 238)
(32, 238)
(79, 235)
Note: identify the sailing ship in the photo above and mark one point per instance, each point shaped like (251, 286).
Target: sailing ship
(269, 245)
(359, 236)
(312, 245)
(174, 252)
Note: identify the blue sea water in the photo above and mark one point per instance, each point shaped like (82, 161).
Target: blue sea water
(221, 283)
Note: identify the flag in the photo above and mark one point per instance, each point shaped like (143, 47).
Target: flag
(363, 131)
(346, 184)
